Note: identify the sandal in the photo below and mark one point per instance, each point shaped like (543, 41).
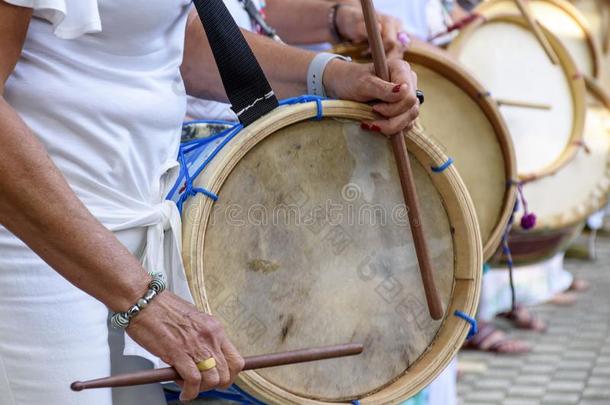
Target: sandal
(522, 318)
(493, 340)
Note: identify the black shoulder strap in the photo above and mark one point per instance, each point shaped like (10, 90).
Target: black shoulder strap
(245, 83)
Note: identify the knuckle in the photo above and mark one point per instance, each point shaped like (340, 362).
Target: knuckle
(193, 377)
(213, 380)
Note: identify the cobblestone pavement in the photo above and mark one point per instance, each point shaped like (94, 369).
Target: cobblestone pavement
(570, 363)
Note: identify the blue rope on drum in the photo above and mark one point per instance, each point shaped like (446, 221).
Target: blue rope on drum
(443, 167)
(474, 326)
(194, 156)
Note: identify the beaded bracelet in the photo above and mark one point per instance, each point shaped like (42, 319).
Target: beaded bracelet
(121, 320)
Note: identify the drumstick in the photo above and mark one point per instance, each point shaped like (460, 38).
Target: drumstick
(606, 28)
(535, 27)
(251, 363)
(522, 104)
(435, 306)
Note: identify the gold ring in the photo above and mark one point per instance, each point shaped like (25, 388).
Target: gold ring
(207, 364)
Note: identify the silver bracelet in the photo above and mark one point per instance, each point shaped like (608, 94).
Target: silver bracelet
(121, 320)
(315, 72)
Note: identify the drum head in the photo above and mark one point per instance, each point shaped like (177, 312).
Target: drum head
(470, 129)
(544, 139)
(309, 245)
(563, 20)
(581, 187)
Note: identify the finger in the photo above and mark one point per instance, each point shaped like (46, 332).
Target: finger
(396, 124)
(234, 360)
(191, 377)
(375, 88)
(210, 379)
(224, 373)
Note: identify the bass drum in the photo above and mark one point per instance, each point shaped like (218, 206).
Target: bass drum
(565, 21)
(468, 127)
(506, 57)
(308, 245)
(576, 191)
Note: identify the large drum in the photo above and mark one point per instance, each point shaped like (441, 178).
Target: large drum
(308, 244)
(543, 104)
(565, 21)
(469, 128)
(562, 202)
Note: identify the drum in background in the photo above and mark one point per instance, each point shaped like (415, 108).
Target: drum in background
(565, 21)
(505, 56)
(309, 244)
(468, 127)
(597, 13)
(563, 202)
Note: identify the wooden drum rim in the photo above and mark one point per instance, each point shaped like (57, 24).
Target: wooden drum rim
(459, 76)
(572, 11)
(574, 78)
(456, 201)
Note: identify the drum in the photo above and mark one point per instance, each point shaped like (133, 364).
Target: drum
(299, 238)
(543, 104)
(597, 14)
(565, 21)
(469, 128)
(576, 191)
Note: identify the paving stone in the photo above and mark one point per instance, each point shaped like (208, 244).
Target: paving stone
(544, 358)
(597, 393)
(548, 348)
(560, 398)
(493, 383)
(533, 379)
(566, 386)
(599, 381)
(575, 365)
(520, 401)
(490, 396)
(580, 355)
(577, 375)
(601, 371)
(538, 368)
(531, 392)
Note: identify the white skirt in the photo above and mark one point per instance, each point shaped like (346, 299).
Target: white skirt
(52, 333)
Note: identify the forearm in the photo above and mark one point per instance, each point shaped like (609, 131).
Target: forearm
(38, 206)
(284, 66)
(300, 22)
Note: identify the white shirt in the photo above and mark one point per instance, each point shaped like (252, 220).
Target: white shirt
(421, 18)
(99, 84)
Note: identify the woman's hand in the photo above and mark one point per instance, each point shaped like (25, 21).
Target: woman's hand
(396, 102)
(350, 23)
(182, 336)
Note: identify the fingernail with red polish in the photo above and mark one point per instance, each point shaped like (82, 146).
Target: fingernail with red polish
(365, 126)
(396, 88)
(375, 128)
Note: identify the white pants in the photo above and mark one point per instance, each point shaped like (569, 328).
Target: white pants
(52, 334)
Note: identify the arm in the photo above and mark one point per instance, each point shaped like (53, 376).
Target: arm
(77, 246)
(286, 69)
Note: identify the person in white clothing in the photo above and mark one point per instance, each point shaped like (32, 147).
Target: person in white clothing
(93, 97)
(301, 23)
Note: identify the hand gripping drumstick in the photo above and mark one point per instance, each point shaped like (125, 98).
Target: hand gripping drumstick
(435, 306)
(251, 363)
(535, 27)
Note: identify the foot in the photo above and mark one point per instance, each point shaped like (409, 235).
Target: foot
(579, 285)
(492, 340)
(523, 318)
(564, 299)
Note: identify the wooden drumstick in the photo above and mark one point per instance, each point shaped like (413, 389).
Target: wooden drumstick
(535, 27)
(405, 172)
(606, 27)
(251, 363)
(522, 104)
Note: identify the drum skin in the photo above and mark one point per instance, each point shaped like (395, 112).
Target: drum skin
(545, 139)
(565, 21)
(281, 274)
(468, 127)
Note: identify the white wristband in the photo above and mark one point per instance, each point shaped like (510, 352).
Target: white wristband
(315, 72)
